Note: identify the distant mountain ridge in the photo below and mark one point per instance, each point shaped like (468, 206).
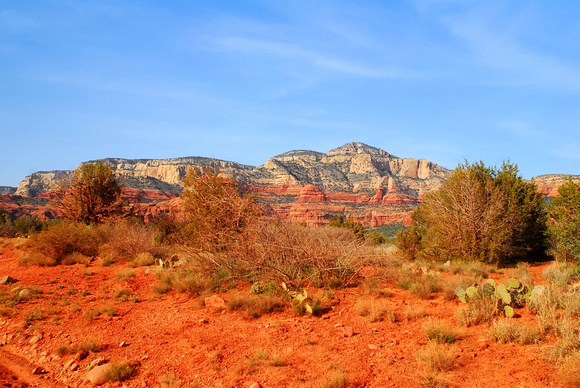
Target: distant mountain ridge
(355, 180)
(352, 167)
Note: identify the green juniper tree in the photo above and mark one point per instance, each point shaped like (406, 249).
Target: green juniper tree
(481, 213)
(564, 213)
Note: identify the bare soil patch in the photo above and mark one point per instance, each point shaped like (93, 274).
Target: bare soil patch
(114, 313)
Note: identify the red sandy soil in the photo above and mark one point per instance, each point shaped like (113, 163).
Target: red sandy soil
(179, 343)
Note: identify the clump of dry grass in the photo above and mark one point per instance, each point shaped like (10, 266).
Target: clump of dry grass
(439, 332)
(569, 341)
(558, 274)
(143, 259)
(415, 313)
(449, 285)
(505, 331)
(122, 371)
(183, 280)
(256, 305)
(375, 311)
(339, 379)
(569, 371)
(545, 304)
(480, 309)
(436, 357)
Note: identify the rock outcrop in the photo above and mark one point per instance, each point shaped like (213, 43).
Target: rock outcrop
(548, 184)
(361, 182)
(7, 190)
(355, 180)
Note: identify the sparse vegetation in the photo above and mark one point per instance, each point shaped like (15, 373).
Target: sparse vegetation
(255, 305)
(438, 332)
(92, 195)
(261, 266)
(481, 214)
(122, 371)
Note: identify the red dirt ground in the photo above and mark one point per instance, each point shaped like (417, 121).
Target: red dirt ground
(178, 343)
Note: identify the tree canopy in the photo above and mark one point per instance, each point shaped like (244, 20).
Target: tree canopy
(92, 195)
(217, 209)
(481, 213)
(564, 213)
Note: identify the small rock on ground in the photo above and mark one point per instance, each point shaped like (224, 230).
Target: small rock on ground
(98, 375)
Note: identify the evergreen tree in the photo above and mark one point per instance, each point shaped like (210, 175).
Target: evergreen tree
(91, 196)
(564, 212)
(480, 213)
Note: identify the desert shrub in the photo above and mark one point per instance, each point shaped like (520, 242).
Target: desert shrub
(480, 214)
(564, 221)
(143, 259)
(357, 228)
(375, 238)
(319, 256)
(62, 239)
(7, 228)
(27, 225)
(125, 238)
(408, 240)
(91, 195)
(217, 209)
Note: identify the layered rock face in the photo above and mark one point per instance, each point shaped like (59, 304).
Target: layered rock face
(355, 180)
(548, 184)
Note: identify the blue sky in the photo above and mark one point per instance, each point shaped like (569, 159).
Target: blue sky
(442, 80)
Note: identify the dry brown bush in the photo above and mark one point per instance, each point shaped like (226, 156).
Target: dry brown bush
(322, 256)
(288, 252)
(126, 239)
(61, 240)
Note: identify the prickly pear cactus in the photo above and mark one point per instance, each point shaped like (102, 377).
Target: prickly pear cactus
(508, 311)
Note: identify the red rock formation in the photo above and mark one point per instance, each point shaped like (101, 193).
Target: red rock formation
(311, 194)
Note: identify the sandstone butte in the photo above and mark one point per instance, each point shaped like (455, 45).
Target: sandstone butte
(357, 181)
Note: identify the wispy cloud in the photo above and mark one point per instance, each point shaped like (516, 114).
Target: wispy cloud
(316, 58)
(496, 44)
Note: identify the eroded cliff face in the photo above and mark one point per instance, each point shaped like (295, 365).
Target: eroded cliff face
(548, 184)
(355, 180)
